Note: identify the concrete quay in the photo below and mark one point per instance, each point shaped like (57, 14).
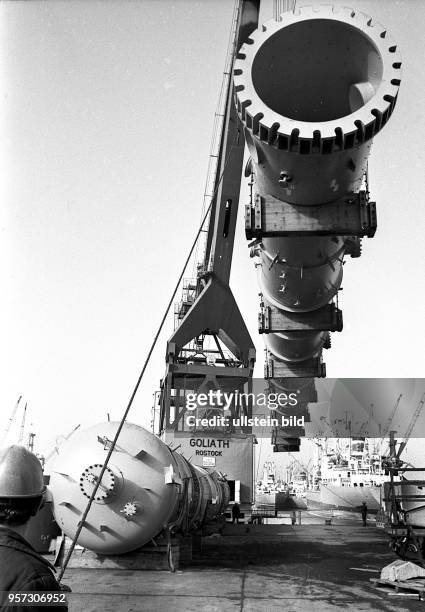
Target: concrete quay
(254, 568)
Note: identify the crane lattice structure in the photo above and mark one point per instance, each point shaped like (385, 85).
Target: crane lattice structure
(411, 425)
(209, 328)
(11, 419)
(391, 418)
(22, 428)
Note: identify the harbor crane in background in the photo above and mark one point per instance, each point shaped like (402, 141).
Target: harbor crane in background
(388, 424)
(10, 421)
(59, 440)
(392, 461)
(391, 418)
(30, 441)
(411, 426)
(22, 427)
(31, 435)
(404, 499)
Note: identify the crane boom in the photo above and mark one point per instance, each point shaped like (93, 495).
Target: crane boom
(22, 428)
(59, 441)
(411, 425)
(11, 419)
(390, 418)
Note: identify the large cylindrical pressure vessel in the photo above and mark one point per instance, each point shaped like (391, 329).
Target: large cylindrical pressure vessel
(145, 489)
(311, 90)
(300, 274)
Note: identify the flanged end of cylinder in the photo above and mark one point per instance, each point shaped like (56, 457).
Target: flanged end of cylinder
(89, 478)
(323, 79)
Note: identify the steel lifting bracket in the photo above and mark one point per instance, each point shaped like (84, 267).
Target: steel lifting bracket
(273, 320)
(352, 215)
(311, 368)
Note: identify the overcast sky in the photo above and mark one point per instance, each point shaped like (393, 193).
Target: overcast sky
(106, 118)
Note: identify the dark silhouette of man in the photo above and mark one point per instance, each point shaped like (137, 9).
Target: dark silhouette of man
(236, 512)
(363, 511)
(21, 497)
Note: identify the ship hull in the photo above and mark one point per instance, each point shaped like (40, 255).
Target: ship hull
(272, 503)
(344, 498)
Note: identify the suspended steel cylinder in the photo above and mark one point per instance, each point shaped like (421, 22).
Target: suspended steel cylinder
(311, 90)
(145, 489)
(299, 274)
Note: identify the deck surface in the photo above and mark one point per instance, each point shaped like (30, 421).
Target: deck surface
(308, 567)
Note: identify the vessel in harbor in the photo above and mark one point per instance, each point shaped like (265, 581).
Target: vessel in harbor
(271, 492)
(347, 472)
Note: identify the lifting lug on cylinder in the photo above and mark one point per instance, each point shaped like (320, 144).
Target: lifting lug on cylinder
(353, 246)
(284, 178)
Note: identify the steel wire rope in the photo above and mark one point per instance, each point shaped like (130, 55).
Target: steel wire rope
(259, 455)
(139, 380)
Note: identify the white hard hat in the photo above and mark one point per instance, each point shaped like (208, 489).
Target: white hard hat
(21, 474)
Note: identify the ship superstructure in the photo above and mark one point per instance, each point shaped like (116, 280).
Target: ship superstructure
(349, 472)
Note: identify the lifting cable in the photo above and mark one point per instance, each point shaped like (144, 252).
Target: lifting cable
(259, 454)
(81, 523)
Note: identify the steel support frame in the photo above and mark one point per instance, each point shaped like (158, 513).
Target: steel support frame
(352, 215)
(181, 378)
(272, 320)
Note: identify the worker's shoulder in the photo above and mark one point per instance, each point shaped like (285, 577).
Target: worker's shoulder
(22, 568)
(44, 581)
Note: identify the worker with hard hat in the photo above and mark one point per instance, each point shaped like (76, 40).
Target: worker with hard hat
(21, 497)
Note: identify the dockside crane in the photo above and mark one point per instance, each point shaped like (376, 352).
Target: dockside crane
(11, 419)
(22, 428)
(59, 441)
(388, 424)
(404, 499)
(392, 462)
(411, 426)
(30, 441)
(31, 435)
(305, 468)
(391, 418)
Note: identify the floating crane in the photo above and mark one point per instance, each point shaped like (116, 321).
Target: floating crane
(307, 92)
